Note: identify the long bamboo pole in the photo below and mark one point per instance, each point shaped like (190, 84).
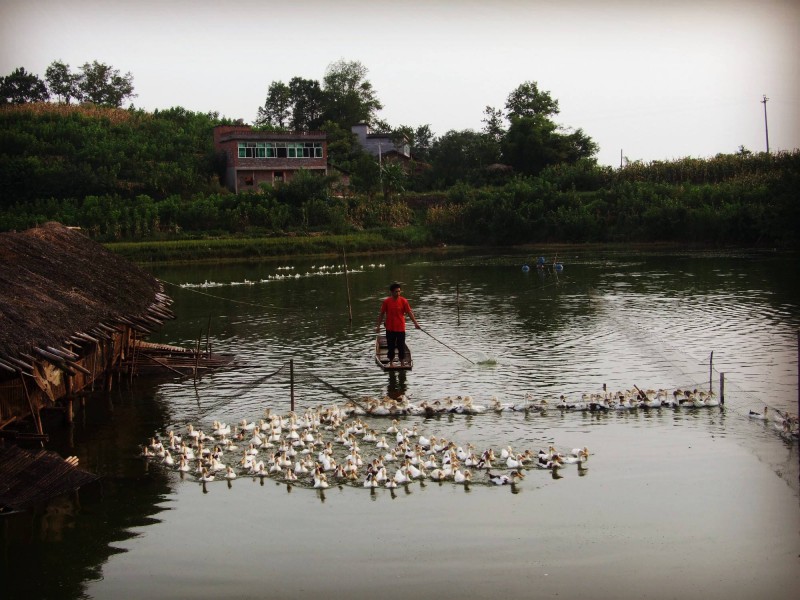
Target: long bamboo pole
(446, 346)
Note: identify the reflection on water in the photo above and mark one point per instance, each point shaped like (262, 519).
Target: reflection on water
(655, 478)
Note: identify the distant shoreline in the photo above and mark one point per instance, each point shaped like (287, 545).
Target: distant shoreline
(256, 249)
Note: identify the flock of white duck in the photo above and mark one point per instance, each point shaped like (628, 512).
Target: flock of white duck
(605, 401)
(335, 446)
(625, 400)
(289, 272)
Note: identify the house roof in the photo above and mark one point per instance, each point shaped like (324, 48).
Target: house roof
(224, 133)
(55, 281)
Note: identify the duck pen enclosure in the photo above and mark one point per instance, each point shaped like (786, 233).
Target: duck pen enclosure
(71, 314)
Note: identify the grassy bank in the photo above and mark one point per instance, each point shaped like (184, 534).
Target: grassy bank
(236, 249)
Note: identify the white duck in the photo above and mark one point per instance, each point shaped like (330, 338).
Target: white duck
(462, 477)
(502, 479)
(400, 476)
(320, 480)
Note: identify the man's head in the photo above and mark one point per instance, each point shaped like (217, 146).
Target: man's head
(395, 288)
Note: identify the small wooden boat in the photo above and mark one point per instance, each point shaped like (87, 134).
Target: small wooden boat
(382, 356)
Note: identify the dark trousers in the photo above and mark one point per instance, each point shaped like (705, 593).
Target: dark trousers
(396, 340)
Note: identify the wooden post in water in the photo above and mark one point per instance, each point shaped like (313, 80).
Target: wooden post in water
(710, 372)
(458, 307)
(347, 285)
(208, 336)
(291, 383)
(721, 389)
(197, 355)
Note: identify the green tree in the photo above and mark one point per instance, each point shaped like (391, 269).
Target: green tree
(307, 104)
(533, 141)
(349, 96)
(62, 82)
(528, 101)
(462, 156)
(526, 145)
(393, 178)
(493, 119)
(340, 143)
(21, 87)
(277, 109)
(102, 84)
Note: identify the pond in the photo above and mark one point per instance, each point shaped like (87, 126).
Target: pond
(698, 503)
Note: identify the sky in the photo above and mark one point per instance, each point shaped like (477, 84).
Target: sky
(647, 80)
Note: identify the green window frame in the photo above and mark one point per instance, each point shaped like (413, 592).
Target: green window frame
(252, 149)
(280, 150)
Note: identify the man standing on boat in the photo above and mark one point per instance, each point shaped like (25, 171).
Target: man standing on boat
(394, 309)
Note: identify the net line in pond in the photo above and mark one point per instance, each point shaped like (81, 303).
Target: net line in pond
(223, 400)
(746, 400)
(195, 291)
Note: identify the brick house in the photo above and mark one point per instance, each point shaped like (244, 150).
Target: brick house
(255, 157)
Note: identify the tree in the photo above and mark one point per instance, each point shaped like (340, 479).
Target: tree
(21, 87)
(419, 139)
(493, 120)
(307, 104)
(528, 101)
(527, 145)
(462, 156)
(277, 109)
(349, 97)
(393, 178)
(101, 84)
(534, 142)
(62, 82)
(340, 143)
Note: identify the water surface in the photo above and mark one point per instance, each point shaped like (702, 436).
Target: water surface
(689, 503)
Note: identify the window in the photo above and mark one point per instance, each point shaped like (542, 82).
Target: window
(252, 149)
(280, 150)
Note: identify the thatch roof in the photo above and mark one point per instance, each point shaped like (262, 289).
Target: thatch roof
(28, 478)
(55, 281)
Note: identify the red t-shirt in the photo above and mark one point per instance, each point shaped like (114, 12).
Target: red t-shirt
(395, 313)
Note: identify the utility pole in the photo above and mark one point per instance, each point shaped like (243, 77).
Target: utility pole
(766, 129)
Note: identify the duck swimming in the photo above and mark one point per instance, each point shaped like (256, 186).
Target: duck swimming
(502, 479)
(462, 477)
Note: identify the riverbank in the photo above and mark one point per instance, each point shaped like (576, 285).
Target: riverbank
(239, 249)
(253, 249)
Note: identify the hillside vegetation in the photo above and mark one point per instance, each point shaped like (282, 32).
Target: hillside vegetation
(129, 175)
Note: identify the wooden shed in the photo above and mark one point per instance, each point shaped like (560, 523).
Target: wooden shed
(71, 312)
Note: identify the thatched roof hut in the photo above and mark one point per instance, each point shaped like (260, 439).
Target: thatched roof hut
(55, 281)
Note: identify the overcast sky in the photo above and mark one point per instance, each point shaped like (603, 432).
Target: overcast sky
(655, 80)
